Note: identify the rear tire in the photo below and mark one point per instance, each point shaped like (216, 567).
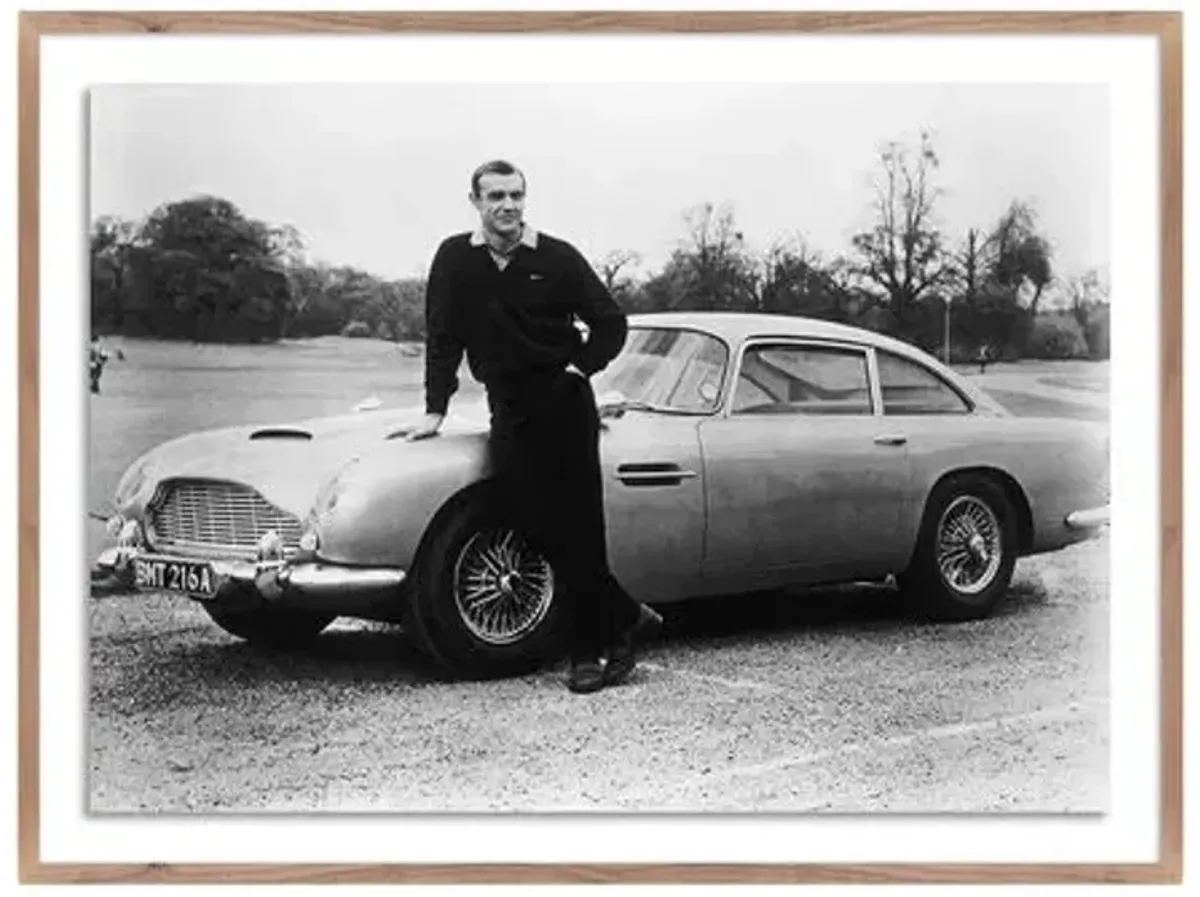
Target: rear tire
(965, 553)
(482, 603)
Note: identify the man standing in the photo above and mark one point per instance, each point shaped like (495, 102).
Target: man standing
(983, 356)
(97, 359)
(508, 297)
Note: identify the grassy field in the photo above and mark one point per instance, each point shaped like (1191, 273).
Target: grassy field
(162, 390)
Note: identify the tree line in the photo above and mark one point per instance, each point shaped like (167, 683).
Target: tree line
(202, 270)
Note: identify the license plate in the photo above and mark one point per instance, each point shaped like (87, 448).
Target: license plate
(182, 577)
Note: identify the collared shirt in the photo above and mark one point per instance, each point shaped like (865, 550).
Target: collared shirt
(529, 237)
(514, 317)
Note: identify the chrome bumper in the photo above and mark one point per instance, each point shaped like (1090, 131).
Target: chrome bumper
(276, 581)
(1091, 518)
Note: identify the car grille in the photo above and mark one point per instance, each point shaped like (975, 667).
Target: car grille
(217, 516)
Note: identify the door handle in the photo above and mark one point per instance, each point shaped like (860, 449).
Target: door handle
(891, 439)
(654, 474)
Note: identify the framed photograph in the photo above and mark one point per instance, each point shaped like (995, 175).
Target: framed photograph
(629, 447)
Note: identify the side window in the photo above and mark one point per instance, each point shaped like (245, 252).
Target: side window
(799, 379)
(679, 370)
(911, 388)
(699, 385)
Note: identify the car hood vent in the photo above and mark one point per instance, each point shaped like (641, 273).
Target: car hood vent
(282, 433)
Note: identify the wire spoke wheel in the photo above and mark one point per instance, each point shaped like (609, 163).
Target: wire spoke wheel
(502, 588)
(970, 545)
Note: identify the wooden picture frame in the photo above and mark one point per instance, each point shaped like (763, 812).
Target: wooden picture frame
(1166, 27)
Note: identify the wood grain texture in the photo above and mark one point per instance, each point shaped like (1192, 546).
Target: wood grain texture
(1171, 435)
(605, 22)
(594, 873)
(28, 454)
(1167, 26)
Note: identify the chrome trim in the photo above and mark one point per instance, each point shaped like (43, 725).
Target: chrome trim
(753, 342)
(204, 551)
(503, 589)
(226, 517)
(109, 559)
(318, 578)
(651, 477)
(970, 546)
(731, 350)
(1089, 518)
(876, 385)
(273, 578)
(972, 405)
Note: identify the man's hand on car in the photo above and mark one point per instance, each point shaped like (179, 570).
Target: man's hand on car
(429, 426)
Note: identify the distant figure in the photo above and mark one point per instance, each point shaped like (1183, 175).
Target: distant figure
(983, 355)
(97, 359)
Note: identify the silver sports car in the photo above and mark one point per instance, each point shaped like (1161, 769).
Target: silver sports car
(740, 453)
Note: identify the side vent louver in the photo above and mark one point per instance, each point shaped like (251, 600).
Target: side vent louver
(282, 433)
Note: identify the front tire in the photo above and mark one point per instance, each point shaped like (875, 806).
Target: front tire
(965, 553)
(483, 602)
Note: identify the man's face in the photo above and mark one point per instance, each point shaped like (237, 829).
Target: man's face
(501, 204)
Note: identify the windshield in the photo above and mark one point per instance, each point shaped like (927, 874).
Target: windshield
(678, 370)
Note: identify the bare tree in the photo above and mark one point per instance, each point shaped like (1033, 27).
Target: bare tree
(721, 273)
(903, 253)
(973, 264)
(795, 279)
(611, 264)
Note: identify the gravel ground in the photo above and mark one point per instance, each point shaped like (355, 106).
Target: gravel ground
(817, 701)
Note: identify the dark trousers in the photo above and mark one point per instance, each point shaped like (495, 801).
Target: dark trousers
(545, 447)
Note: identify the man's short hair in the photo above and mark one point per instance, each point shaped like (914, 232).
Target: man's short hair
(496, 166)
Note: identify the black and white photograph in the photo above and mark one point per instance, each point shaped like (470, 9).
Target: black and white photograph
(668, 447)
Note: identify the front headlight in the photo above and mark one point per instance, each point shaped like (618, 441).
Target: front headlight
(131, 483)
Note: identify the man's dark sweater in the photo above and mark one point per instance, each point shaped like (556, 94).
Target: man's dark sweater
(514, 322)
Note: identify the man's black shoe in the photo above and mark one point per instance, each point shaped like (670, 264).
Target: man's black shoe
(622, 656)
(585, 676)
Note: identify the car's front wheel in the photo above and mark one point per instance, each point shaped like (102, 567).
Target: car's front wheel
(270, 627)
(966, 551)
(482, 601)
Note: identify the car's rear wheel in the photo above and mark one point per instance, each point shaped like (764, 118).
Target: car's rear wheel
(482, 601)
(270, 627)
(965, 552)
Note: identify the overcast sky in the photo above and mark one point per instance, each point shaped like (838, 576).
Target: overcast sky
(376, 175)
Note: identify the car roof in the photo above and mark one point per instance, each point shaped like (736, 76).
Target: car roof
(740, 326)
(737, 327)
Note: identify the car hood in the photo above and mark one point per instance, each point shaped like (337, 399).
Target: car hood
(288, 463)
